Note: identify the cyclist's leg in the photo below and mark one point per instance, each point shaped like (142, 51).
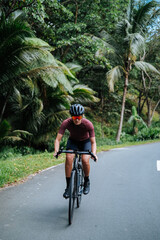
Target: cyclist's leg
(68, 165)
(71, 145)
(86, 165)
(85, 146)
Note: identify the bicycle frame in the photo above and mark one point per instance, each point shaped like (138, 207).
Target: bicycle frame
(75, 182)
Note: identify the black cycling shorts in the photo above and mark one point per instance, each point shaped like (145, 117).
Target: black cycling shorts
(79, 145)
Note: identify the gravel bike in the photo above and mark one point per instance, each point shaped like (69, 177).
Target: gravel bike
(76, 180)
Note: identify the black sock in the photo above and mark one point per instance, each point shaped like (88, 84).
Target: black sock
(67, 181)
(86, 179)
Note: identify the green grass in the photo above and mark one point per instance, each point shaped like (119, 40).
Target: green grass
(127, 144)
(17, 169)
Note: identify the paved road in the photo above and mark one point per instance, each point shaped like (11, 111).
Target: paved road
(124, 202)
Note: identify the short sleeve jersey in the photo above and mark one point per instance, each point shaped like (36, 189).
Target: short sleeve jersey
(79, 132)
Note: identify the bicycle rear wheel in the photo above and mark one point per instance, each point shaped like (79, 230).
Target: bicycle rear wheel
(72, 193)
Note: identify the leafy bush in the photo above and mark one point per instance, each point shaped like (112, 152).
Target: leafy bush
(12, 152)
(109, 132)
(50, 143)
(4, 128)
(105, 141)
(147, 133)
(125, 137)
(156, 124)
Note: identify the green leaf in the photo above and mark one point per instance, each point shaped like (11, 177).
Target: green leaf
(112, 76)
(4, 128)
(66, 70)
(146, 67)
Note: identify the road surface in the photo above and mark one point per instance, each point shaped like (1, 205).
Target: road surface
(124, 202)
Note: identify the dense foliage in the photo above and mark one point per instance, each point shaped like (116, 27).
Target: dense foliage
(54, 53)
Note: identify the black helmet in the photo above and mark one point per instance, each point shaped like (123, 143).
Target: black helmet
(76, 110)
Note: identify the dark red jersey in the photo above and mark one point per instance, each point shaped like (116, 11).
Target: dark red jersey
(79, 132)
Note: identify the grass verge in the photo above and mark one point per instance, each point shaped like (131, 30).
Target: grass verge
(17, 169)
(13, 170)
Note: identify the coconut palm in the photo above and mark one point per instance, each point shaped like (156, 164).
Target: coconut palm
(125, 51)
(24, 56)
(36, 90)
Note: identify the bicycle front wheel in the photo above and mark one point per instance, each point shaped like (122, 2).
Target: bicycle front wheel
(72, 193)
(80, 186)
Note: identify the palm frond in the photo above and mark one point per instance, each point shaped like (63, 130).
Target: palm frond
(137, 43)
(66, 70)
(83, 94)
(123, 27)
(130, 10)
(131, 119)
(11, 29)
(16, 100)
(113, 76)
(21, 133)
(146, 67)
(37, 42)
(107, 42)
(39, 63)
(142, 15)
(74, 67)
(12, 138)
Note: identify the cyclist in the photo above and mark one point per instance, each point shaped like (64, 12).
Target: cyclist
(82, 138)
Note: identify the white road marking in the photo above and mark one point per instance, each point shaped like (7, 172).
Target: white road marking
(158, 165)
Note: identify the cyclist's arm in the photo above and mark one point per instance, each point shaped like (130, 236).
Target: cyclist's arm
(93, 146)
(57, 143)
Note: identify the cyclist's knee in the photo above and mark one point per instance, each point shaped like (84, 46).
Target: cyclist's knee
(69, 158)
(85, 160)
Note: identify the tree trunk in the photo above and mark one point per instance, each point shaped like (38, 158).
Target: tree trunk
(150, 116)
(149, 113)
(102, 104)
(139, 102)
(123, 108)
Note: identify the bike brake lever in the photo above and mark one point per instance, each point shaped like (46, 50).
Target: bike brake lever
(59, 152)
(92, 155)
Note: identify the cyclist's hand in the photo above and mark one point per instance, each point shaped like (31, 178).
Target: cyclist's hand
(95, 157)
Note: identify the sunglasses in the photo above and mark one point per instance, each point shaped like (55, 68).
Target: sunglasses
(76, 117)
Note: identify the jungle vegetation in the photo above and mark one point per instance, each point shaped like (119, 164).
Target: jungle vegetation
(103, 54)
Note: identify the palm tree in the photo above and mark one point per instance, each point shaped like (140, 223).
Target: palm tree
(35, 89)
(24, 56)
(128, 47)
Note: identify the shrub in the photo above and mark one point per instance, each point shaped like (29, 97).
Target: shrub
(109, 132)
(147, 133)
(104, 141)
(125, 137)
(12, 152)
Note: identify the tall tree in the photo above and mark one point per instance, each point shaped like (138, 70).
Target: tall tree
(35, 89)
(126, 49)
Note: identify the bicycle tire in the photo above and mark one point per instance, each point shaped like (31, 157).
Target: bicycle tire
(80, 187)
(72, 192)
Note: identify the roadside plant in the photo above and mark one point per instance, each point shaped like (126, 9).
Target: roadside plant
(136, 120)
